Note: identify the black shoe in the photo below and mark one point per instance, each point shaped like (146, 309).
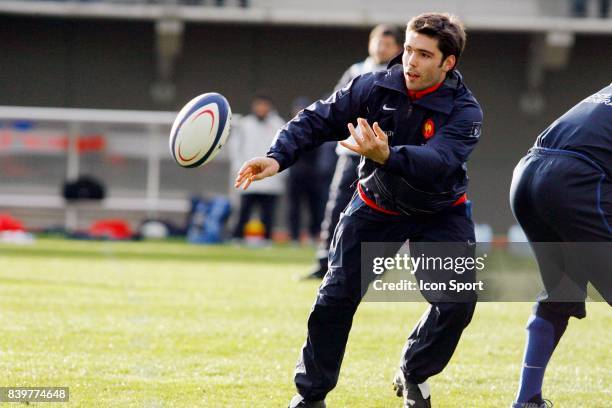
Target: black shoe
(413, 398)
(299, 402)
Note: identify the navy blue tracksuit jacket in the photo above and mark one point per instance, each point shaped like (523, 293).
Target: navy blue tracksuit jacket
(430, 138)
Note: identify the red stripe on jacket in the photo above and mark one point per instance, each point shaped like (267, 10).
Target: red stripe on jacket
(370, 203)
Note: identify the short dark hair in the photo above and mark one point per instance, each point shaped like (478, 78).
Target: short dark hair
(385, 30)
(446, 28)
(262, 95)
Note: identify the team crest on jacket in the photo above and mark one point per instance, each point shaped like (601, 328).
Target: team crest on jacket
(428, 129)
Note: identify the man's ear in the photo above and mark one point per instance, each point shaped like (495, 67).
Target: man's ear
(449, 63)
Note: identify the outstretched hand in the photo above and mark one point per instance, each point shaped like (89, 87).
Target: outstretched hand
(372, 142)
(256, 169)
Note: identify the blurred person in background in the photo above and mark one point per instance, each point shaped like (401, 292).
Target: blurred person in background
(252, 136)
(308, 181)
(385, 43)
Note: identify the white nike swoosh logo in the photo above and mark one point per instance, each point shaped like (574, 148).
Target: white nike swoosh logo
(385, 107)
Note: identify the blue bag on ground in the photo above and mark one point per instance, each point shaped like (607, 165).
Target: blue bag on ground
(207, 222)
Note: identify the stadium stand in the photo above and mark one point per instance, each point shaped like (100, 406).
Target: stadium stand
(494, 15)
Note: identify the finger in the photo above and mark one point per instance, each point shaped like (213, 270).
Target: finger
(246, 166)
(244, 176)
(379, 133)
(355, 135)
(248, 183)
(242, 172)
(366, 130)
(239, 182)
(352, 147)
(241, 176)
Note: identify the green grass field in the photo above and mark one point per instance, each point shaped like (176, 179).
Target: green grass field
(172, 325)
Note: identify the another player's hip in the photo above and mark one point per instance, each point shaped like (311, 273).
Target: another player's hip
(561, 185)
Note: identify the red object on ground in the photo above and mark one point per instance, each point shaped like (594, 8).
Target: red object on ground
(111, 229)
(8, 223)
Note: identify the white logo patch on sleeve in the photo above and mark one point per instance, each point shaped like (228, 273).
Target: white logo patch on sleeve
(476, 129)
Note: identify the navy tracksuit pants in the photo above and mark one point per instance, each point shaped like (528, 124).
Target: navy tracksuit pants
(563, 202)
(432, 343)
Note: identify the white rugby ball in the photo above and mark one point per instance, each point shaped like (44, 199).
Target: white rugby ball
(200, 130)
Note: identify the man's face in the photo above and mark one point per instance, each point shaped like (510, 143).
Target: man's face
(422, 60)
(383, 48)
(261, 108)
